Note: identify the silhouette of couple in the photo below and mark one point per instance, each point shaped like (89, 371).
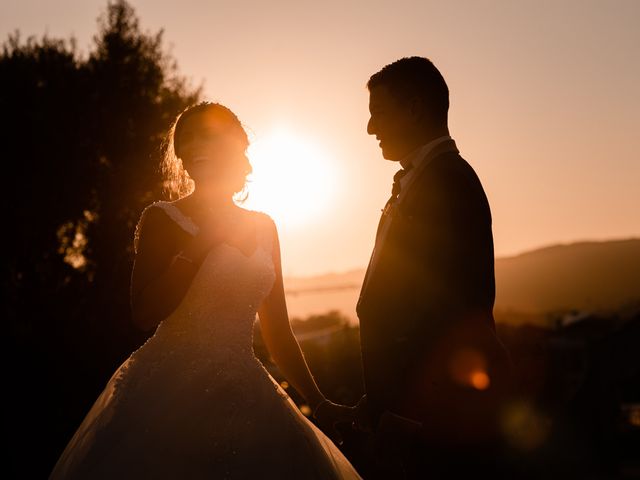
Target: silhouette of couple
(194, 402)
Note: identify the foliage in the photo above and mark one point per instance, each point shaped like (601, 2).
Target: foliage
(81, 138)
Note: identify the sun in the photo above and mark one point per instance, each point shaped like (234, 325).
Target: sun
(293, 180)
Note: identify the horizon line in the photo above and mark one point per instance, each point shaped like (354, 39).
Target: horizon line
(501, 257)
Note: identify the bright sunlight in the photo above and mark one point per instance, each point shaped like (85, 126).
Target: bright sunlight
(292, 180)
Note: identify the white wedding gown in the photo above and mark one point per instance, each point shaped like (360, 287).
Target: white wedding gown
(194, 401)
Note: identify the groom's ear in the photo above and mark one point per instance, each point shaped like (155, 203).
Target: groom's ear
(417, 108)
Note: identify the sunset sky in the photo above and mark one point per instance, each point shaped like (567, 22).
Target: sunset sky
(545, 105)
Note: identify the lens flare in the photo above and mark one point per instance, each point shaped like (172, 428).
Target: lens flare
(468, 367)
(524, 426)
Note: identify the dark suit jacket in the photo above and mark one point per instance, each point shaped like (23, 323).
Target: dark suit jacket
(426, 322)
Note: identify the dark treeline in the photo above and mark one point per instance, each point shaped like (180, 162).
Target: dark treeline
(81, 137)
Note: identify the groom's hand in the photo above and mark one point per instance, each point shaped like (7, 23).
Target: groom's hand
(329, 414)
(362, 417)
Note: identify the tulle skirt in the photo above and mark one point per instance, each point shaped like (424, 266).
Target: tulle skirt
(168, 421)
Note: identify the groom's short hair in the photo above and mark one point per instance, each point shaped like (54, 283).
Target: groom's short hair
(412, 77)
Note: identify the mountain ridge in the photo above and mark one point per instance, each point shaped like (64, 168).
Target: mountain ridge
(595, 275)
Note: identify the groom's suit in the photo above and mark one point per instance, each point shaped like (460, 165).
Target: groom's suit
(429, 348)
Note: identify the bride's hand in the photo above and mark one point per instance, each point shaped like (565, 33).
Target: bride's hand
(329, 414)
(213, 231)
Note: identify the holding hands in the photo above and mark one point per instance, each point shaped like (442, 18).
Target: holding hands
(329, 414)
(362, 418)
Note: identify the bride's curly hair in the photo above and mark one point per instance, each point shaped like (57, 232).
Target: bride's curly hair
(176, 181)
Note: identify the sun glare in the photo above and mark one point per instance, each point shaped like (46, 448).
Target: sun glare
(292, 179)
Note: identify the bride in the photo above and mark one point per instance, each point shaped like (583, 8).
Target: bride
(194, 401)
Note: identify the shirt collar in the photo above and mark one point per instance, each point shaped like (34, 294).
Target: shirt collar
(419, 154)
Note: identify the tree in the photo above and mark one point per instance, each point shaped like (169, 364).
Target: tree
(81, 137)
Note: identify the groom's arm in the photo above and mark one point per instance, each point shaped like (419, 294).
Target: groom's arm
(455, 361)
(451, 246)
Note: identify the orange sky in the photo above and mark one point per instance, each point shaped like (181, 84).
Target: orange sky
(545, 103)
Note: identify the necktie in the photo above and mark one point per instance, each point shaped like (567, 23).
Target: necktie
(395, 189)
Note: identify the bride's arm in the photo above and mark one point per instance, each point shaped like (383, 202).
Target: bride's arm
(279, 338)
(159, 280)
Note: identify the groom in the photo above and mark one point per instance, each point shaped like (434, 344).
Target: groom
(436, 376)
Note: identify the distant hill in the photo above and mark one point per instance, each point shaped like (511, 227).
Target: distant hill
(584, 276)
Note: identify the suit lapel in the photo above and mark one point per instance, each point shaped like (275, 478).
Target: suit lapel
(375, 245)
(385, 211)
(445, 147)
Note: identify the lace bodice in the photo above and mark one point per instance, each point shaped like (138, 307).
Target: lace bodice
(213, 324)
(225, 294)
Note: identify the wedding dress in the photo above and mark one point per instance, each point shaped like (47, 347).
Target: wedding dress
(194, 401)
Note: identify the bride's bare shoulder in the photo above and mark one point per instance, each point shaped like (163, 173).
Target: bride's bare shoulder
(266, 226)
(263, 219)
